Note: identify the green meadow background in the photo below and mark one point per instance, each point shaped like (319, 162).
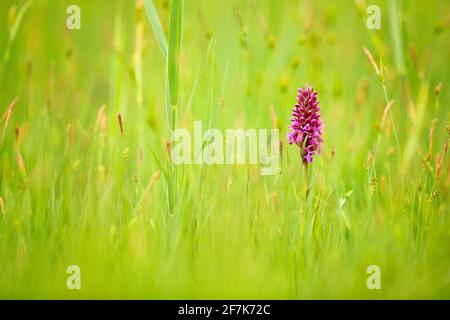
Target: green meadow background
(77, 190)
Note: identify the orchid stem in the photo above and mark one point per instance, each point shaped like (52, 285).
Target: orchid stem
(305, 175)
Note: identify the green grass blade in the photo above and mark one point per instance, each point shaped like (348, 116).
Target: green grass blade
(174, 50)
(15, 27)
(197, 79)
(161, 167)
(155, 22)
(18, 19)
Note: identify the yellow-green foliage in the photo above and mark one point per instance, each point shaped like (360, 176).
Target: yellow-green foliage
(76, 189)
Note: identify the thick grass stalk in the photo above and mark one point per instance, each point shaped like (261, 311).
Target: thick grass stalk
(173, 70)
(171, 54)
(396, 34)
(173, 59)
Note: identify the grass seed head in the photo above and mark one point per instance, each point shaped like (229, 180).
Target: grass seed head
(21, 163)
(119, 118)
(2, 205)
(102, 122)
(440, 161)
(372, 60)
(438, 89)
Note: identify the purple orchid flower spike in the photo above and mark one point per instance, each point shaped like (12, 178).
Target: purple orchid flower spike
(306, 127)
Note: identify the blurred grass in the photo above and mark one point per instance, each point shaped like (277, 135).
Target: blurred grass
(74, 190)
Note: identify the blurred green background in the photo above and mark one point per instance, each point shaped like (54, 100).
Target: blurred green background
(76, 191)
